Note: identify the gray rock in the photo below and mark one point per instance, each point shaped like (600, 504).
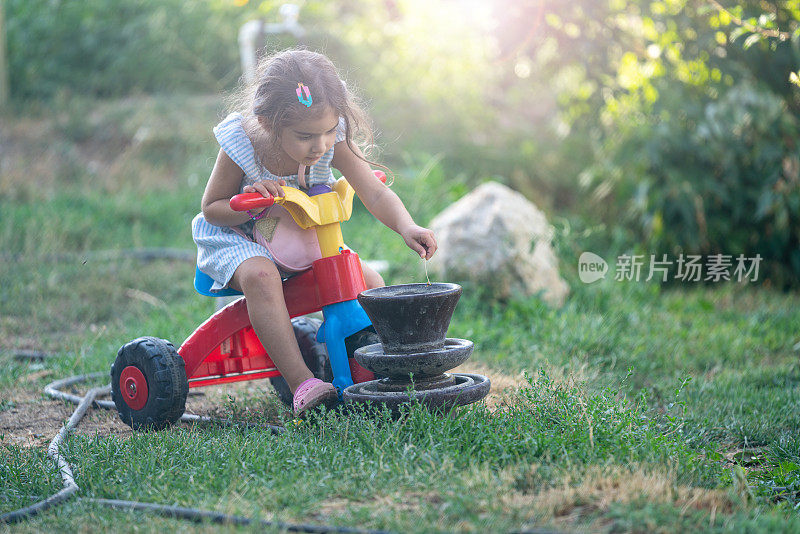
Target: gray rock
(496, 237)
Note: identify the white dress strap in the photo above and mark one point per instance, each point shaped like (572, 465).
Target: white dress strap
(234, 141)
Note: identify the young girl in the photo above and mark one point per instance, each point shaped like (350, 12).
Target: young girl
(281, 131)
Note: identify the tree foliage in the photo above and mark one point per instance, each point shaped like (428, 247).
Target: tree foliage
(109, 48)
(673, 121)
(686, 118)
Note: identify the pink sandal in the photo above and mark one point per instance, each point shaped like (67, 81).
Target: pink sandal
(312, 393)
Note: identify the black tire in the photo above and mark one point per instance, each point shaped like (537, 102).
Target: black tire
(314, 354)
(362, 338)
(167, 387)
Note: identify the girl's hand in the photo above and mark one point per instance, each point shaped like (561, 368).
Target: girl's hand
(266, 188)
(420, 240)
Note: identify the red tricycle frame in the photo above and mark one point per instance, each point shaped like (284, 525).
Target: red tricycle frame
(150, 380)
(225, 348)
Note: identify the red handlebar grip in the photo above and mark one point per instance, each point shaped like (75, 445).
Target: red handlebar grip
(250, 201)
(380, 175)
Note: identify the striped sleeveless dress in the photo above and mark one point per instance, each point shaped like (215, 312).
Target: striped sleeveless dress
(220, 250)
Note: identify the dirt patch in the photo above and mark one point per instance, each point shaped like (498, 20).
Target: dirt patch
(29, 419)
(749, 457)
(30, 423)
(503, 384)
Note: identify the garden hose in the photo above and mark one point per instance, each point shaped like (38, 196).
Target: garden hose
(193, 514)
(178, 512)
(70, 488)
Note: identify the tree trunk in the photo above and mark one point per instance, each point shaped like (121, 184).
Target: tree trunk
(3, 64)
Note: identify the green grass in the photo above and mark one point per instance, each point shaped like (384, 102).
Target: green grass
(644, 408)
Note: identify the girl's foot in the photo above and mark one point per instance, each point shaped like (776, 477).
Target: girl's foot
(312, 393)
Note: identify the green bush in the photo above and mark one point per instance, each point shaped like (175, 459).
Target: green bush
(713, 177)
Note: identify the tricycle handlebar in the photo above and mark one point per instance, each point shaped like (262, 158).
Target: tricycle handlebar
(306, 211)
(250, 201)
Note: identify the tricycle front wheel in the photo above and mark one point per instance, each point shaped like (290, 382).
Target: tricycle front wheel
(148, 384)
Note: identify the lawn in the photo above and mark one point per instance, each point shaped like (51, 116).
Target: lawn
(635, 407)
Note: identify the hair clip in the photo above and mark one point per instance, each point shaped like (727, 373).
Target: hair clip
(307, 101)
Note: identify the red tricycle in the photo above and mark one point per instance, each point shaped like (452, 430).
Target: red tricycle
(150, 379)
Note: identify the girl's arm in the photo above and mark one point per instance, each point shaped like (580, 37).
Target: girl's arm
(381, 201)
(222, 185)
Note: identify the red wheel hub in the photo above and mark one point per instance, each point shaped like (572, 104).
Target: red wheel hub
(133, 386)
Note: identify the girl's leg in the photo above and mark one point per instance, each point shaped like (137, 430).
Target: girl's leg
(371, 276)
(259, 280)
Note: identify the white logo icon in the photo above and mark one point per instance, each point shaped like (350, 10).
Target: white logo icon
(591, 267)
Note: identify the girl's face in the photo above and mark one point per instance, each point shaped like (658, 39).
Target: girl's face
(304, 142)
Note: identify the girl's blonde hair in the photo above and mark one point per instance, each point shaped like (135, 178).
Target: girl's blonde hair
(271, 97)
